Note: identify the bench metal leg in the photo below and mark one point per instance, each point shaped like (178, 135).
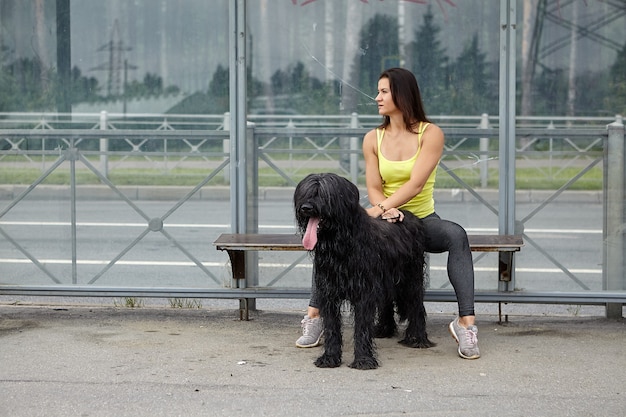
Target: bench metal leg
(238, 265)
(505, 266)
(506, 316)
(613, 311)
(244, 311)
(505, 271)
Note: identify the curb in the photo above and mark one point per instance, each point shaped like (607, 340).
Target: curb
(221, 193)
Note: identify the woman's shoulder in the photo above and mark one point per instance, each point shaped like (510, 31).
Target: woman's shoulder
(371, 135)
(433, 138)
(370, 141)
(432, 129)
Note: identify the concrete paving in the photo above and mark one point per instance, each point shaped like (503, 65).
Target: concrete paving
(99, 360)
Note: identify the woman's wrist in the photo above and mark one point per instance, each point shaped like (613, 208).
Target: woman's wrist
(374, 211)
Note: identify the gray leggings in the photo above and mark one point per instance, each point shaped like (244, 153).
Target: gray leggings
(444, 236)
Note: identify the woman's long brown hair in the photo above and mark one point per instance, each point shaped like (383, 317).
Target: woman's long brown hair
(406, 96)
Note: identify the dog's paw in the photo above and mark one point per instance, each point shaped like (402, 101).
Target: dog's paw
(364, 363)
(326, 361)
(417, 343)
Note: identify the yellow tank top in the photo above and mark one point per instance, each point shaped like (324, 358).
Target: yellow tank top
(395, 173)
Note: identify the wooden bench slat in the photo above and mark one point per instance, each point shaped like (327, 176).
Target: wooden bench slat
(496, 243)
(286, 242)
(265, 241)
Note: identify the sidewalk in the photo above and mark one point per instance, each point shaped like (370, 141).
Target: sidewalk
(62, 360)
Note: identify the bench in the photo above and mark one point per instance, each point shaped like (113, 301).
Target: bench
(238, 244)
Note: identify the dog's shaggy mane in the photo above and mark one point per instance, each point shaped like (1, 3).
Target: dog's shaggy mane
(370, 263)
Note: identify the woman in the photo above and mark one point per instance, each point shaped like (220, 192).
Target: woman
(401, 158)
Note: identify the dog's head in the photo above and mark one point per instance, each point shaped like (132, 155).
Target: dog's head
(323, 203)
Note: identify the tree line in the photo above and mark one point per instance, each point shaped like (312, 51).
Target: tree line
(465, 85)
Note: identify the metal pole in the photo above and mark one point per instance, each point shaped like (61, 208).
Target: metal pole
(354, 156)
(241, 119)
(72, 156)
(226, 145)
(506, 215)
(252, 207)
(104, 146)
(484, 148)
(242, 149)
(237, 85)
(615, 219)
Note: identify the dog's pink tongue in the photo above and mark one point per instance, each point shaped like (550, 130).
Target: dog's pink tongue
(310, 235)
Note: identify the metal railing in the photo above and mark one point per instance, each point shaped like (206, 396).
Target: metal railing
(283, 155)
(152, 121)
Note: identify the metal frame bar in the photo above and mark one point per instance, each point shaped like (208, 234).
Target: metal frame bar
(506, 212)
(582, 298)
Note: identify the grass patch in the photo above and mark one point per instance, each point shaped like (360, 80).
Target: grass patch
(184, 303)
(129, 302)
(527, 179)
(179, 177)
(540, 178)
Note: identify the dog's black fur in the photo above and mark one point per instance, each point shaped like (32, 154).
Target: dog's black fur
(370, 263)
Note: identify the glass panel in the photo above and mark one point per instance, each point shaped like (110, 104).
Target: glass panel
(121, 110)
(571, 75)
(145, 205)
(317, 63)
(571, 60)
(140, 57)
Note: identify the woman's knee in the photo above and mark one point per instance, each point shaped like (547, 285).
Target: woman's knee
(444, 235)
(456, 234)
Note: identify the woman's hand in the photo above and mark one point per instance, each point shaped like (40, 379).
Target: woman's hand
(393, 215)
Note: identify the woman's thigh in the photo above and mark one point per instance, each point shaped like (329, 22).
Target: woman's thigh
(442, 234)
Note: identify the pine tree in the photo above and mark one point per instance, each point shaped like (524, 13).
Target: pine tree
(469, 89)
(616, 98)
(429, 62)
(378, 47)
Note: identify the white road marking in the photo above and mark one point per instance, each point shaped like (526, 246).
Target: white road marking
(485, 230)
(555, 232)
(264, 265)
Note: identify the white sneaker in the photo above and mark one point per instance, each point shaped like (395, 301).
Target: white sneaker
(312, 331)
(466, 338)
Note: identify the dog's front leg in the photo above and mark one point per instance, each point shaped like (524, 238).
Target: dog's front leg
(331, 318)
(364, 315)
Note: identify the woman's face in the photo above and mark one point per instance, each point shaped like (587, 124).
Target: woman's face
(385, 103)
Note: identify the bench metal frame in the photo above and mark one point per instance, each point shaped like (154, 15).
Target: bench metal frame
(238, 246)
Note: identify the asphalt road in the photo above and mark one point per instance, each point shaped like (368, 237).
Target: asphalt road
(563, 235)
(89, 361)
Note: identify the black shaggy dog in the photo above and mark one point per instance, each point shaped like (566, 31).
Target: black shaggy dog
(370, 263)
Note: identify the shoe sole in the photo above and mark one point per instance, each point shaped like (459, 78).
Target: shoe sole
(312, 345)
(456, 339)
